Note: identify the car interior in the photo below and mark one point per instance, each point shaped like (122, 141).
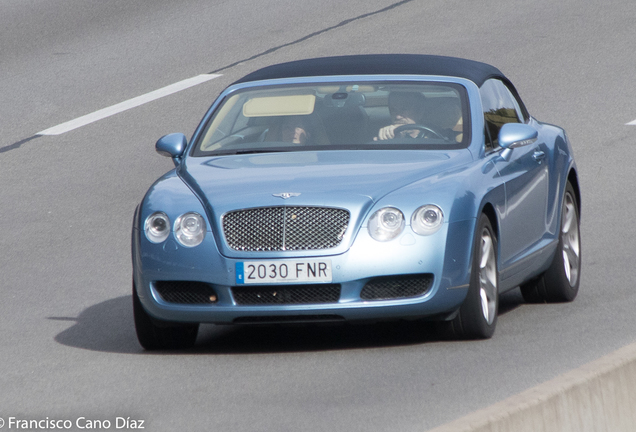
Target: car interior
(345, 115)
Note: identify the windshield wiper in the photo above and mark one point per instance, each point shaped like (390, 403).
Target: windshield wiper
(252, 151)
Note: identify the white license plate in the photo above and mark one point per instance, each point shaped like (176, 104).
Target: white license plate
(288, 271)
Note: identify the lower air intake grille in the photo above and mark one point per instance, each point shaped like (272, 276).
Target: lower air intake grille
(395, 287)
(186, 292)
(287, 294)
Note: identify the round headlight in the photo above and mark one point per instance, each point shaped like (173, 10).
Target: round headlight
(386, 224)
(427, 219)
(157, 227)
(190, 229)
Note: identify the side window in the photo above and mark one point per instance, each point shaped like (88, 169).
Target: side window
(500, 107)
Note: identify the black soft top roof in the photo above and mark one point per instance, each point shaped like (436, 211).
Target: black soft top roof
(379, 64)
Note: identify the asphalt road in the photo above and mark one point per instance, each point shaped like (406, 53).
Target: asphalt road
(67, 344)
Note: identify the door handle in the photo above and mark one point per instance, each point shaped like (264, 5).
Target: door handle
(538, 156)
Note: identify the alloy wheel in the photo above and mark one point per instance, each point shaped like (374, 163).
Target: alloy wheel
(488, 277)
(571, 240)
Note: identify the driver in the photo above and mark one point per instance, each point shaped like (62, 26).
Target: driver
(404, 108)
(295, 129)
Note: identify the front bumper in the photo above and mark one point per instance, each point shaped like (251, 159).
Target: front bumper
(444, 256)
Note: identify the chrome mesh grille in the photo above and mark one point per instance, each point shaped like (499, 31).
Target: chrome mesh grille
(285, 228)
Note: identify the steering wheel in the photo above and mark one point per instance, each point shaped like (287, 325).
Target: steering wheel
(420, 128)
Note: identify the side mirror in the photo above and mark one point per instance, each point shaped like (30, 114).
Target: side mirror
(172, 145)
(513, 135)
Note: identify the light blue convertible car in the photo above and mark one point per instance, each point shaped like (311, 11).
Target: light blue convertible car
(370, 187)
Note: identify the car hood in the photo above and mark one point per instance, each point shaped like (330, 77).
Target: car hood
(351, 180)
(347, 179)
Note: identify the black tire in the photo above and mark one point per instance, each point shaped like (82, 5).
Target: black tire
(154, 334)
(560, 283)
(477, 316)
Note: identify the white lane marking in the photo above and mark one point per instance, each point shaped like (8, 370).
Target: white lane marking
(631, 123)
(126, 105)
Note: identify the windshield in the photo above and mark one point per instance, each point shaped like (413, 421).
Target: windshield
(427, 115)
